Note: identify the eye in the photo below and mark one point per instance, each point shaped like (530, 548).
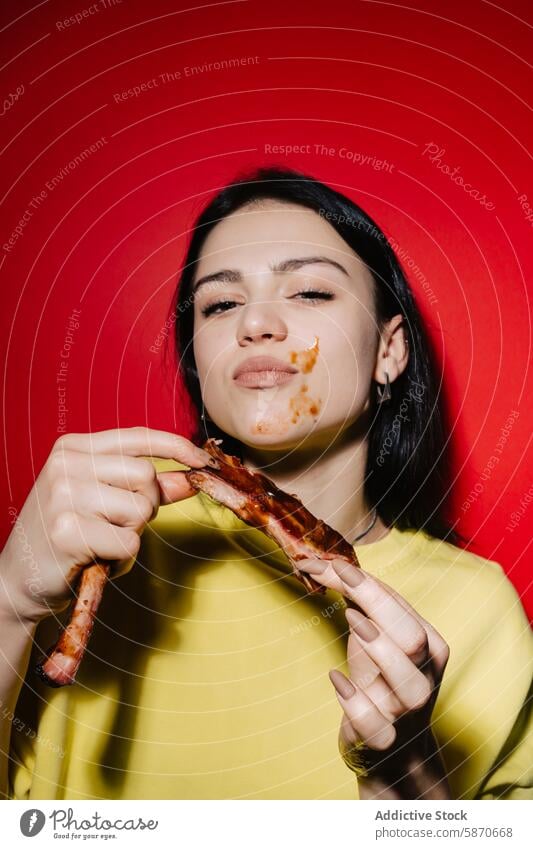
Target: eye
(212, 308)
(320, 294)
(310, 295)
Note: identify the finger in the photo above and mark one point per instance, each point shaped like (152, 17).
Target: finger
(136, 441)
(134, 473)
(174, 486)
(324, 572)
(371, 596)
(363, 670)
(408, 683)
(347, 731)
(365, 718)
(77, 469)
(438, 648)
(385, 606)
(366, 675)
(118, 506)
(83, 538)
(137, 474)
(381, 605)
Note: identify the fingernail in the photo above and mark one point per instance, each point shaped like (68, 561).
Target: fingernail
(341, 684)
(362, 626)
(203, 456)
(315, 566)
(351, 575)
(214, 463)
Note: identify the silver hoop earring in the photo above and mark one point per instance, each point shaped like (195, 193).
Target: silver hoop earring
(384, 394)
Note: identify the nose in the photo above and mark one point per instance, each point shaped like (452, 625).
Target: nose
(260, 323)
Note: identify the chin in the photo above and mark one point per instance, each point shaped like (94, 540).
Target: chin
(279, 433)
(262, 430)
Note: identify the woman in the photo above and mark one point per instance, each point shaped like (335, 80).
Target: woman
(206, 674)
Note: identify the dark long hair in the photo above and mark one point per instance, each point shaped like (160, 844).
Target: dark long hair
(404, 475)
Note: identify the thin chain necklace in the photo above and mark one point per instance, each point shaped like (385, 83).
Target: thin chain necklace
(371, 525)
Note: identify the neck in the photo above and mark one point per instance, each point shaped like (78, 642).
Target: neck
(328, 477)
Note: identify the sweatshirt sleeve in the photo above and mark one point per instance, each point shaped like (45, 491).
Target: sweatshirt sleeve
(511, 776)
(509, 651)
(482, 718)
(21, 762)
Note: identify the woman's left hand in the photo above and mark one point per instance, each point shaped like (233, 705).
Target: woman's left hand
(396, 661)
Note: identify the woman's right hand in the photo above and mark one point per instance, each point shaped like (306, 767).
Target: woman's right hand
(93, 498)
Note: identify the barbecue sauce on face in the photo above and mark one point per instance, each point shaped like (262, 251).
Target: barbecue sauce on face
(277, 425)
(303, 404)
(300, 404)
(306, 359)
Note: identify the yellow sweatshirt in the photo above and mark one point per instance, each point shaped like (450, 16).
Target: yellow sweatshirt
(207, 673)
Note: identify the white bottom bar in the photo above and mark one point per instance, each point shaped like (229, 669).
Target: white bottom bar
(268, 824)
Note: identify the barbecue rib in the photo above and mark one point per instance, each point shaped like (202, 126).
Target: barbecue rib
(256, 500)
(62, 661)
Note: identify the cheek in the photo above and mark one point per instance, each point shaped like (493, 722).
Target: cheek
(349, 343)
(347, 362)
(208, 346)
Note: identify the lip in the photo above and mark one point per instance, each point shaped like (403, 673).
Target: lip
(263, 379)
(263, 365)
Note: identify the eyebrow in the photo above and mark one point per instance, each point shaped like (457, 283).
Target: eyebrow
(228, 275)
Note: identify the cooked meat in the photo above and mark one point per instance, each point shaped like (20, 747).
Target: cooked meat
(61, 664)
(256, 500)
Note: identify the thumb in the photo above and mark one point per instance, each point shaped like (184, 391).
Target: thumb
(174, 486)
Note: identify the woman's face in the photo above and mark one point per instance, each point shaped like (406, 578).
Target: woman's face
(256, 306)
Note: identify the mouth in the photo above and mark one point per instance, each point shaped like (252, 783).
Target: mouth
(262, 372)
(263, 379)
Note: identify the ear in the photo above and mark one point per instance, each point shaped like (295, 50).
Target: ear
(393, 350)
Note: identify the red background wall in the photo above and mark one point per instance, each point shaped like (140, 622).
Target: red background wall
(377, 79)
